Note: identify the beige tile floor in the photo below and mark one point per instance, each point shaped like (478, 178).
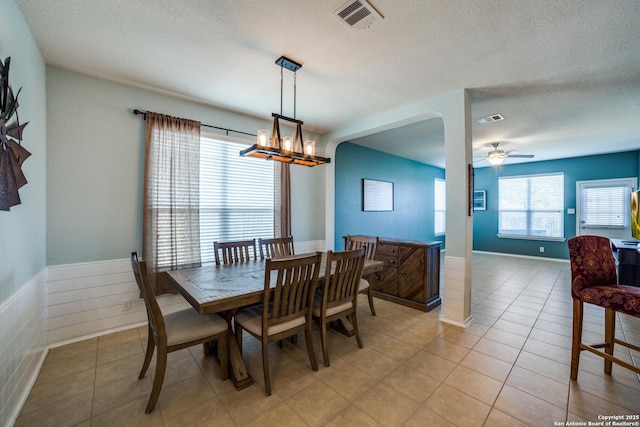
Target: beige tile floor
(510, 367)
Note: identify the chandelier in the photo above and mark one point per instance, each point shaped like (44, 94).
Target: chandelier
(280, 148)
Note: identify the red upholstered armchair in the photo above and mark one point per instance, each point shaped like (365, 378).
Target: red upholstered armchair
(594, 280)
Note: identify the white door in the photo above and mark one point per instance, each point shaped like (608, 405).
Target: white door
(603, 207)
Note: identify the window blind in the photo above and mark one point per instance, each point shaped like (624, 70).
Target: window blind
(440, 206)
(605, 207)
(531, 206)
(236, 194)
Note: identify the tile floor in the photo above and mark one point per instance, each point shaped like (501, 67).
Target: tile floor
(510, 367)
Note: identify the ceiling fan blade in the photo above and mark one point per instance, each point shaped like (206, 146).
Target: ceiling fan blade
(522, 156)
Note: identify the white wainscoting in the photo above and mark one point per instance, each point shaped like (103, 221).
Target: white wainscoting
(86, 300)
(24, 345)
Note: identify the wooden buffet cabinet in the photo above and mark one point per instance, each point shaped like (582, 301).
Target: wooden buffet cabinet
(411, 274)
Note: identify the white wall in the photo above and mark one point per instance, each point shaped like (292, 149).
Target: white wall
(22, 229)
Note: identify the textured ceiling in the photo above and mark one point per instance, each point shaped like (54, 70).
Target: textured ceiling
(565, 74)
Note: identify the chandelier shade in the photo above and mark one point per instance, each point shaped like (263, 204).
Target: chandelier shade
(285, 149)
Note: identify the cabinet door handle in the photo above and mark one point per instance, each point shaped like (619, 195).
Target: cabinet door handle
(391, 261)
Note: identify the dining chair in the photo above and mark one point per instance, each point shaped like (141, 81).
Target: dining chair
(594, 281)
(278, 247)
(289, 285)
(175, 331)
(235, 252)
(339, 296)
(369, 243)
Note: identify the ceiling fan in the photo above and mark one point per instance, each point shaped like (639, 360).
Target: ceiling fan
(496, 156)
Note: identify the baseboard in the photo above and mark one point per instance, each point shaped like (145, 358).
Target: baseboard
(538, 258)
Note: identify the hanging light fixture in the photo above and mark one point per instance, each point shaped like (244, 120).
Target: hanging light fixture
(285, 149)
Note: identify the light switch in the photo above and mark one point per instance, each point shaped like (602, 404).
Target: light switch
(571, 211)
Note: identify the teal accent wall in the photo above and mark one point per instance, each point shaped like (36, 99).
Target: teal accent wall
(485, 223)
(22, 229)
(412, 217)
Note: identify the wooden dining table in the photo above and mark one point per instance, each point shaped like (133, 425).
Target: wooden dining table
(224, 289)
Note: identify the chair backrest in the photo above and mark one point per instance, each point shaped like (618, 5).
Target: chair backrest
(294, 282)
(369, 243)
(279, 247)
(592, 263)
(343, 273)
(235, 252)
(154, 314)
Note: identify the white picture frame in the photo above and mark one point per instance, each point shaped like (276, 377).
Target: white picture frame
(377, 195)
(479, 200)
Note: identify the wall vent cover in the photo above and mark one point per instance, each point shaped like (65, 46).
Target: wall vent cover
(357, 15)
(489, 119)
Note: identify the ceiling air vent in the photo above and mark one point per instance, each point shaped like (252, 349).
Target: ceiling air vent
(489, 119)
(357, 15)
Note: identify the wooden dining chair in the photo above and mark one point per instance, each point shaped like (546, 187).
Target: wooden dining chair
(175, 331)
(235, 252)
(278, 247)
(369, 243)
(339, 296)
(594, 281)
(292, 282)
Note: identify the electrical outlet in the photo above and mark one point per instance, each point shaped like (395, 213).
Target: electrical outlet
(541, 248)
(126, 304)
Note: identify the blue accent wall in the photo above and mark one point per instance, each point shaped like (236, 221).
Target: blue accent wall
(412, 217)
(485, 223)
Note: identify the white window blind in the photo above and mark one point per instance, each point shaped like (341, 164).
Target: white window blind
(605, 207)
(236, 194)
(440, 206)
(531, 206)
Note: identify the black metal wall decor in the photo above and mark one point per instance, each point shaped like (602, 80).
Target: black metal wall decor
(12, 153)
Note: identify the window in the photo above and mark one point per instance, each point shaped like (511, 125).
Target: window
(531, 206)
(236, 194)
(605, 207)
(440, 206)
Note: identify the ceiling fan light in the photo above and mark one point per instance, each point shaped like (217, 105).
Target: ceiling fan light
(494, 160)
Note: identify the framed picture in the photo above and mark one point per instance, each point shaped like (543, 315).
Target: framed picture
(377, 195)
(480, 200)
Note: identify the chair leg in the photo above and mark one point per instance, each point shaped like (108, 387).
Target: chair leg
(354, 323)
(161, 366)
(609, 336)
(577, 337)
(309, 341)
(151, 345)
(265, 366)
(323, 336)
(370, 296)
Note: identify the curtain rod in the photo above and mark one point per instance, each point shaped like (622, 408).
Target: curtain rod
(144, 116)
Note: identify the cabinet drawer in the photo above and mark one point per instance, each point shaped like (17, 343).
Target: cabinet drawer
(387, 253)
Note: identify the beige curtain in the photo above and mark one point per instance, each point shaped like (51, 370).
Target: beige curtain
(171, 217)
(282, 205)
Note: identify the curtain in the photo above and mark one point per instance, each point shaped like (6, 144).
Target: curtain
(171, 217)
(282, 205)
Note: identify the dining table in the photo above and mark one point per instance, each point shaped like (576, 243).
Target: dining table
(226, 288)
